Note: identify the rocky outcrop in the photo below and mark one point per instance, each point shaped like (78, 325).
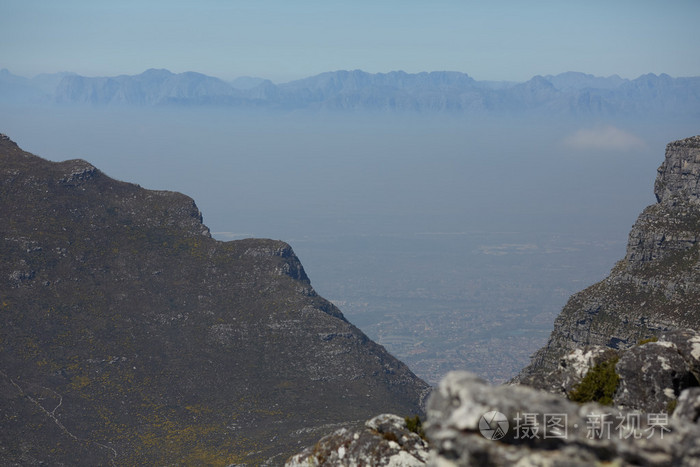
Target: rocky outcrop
(384, 440)
(655, 288)
(652, 375)
(470, 422)
(473, 423)
(129, 336)
(573, 367)
(679, 175)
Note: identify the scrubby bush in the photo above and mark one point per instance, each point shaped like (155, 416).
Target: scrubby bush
(599, 384)
(415, 425)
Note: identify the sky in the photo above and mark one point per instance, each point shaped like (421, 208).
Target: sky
(503, 40)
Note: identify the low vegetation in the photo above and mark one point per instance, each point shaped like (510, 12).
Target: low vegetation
(599, 384)
(414, 424)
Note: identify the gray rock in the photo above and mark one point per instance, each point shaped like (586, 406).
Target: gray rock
(384, 441)
(546, 429)
(688, 407)
(571, 369)
(651, 377)
(679, 175)
(687, 343)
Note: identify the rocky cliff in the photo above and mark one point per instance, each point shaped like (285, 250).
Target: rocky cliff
(128, 336)
(655, 288)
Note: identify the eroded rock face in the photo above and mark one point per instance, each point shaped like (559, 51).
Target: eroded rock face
(546, 429)
(678, 180)
(383, 441)
(655, 288)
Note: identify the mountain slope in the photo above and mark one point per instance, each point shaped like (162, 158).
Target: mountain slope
(656, 287)
(129, 335)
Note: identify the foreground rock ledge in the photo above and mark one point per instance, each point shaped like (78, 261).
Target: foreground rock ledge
(471, 422)
(546, 429)
(383, 441)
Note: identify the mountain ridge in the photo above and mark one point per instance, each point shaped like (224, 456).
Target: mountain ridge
(570, 93)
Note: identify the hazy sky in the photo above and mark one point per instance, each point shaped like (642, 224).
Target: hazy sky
(284, 40)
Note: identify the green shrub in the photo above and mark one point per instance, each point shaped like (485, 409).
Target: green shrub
(415, 425)
(599, 384)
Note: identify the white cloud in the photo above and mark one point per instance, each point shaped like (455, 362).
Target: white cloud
(603, 138)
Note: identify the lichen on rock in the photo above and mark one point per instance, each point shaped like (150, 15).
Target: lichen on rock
(385, 440)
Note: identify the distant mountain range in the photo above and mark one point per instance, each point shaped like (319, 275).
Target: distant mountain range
(570, 93)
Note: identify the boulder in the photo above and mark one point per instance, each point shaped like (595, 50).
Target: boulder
(540, 428)
(688, 407)
(385, 440)
(652, 376)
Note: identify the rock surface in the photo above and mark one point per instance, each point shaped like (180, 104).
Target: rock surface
(470, 422)
(651, 376)
(655, 288)
(688, 407)
(383, 441)
(545, 429)
(572, 368)
(129, 336)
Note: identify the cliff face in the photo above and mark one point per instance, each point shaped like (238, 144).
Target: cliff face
(129, 336)
(656, 287)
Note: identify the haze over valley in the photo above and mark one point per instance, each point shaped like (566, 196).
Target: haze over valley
(453, 239)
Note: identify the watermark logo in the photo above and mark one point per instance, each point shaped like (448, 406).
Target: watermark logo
(493, 425)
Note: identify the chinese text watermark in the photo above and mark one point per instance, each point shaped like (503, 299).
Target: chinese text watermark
(494, 425)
